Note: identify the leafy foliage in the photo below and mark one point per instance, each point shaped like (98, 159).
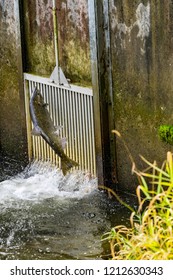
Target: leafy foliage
(166, 133)
(150, 236)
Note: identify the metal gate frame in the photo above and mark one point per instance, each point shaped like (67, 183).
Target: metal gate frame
(103, 103)
(103, 95)
(72, 108)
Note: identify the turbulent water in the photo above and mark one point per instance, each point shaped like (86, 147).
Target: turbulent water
(44, 215)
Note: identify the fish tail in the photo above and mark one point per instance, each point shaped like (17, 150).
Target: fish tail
(67, 164)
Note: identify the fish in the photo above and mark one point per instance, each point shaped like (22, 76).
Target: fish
(44, 127)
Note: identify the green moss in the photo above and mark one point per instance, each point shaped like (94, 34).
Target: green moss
(75, 61)
(8, 69)
(8, 78)
(77, 68)
(166, 133)
(40, 57)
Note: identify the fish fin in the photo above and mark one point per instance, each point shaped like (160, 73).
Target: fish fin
(63, 142)
(58, 129)
(35, 132)
(67, 164)
(39, 98)
(45, 105)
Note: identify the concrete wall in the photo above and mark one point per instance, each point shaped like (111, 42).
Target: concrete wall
(73, 30)
(12, 117)
(142, 57)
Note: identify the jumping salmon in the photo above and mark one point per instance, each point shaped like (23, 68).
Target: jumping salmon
(44, 127)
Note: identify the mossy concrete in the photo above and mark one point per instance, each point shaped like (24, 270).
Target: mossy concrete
(12, 121)
(142, 74)
(78, 64)
(74, 54)
(38, 37)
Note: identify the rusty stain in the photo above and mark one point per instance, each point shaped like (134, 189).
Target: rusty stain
(39, 18)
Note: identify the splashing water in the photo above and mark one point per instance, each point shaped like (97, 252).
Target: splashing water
(44, 215)
(41, 180)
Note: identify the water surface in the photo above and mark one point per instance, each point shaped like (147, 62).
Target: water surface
(44, 215)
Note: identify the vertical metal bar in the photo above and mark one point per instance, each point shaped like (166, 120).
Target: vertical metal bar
(77, 129)
(84, 130)
(88, 134)
(49, 98)
(28, 120)
(72, 109)
(101, 90)
(51, 90)
(19, 49)
(111, 113)
(47, 101)
(93, 137)
(39, 139)
(84, 124)
(31, 87)
(90, 160)
(55, 29)
(71, 115)
(54, 106)
(44, 144)
(55, 94)
(96, 90)
(61, 114)
(57, 118)
(35, 138)
(40, 87)
(75, 148)
(68, 122)
(65, 119)
(60, 109)
(81, 139)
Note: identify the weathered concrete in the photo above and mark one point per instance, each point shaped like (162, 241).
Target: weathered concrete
(142, 55)
(73, 38)
(12, 117)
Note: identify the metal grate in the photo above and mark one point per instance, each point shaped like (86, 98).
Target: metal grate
(70, 107)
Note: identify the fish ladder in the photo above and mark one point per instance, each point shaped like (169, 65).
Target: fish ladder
(69, 107)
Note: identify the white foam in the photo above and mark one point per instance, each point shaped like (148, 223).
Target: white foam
(41, 181)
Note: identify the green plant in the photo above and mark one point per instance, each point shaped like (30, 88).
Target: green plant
(150, 236)
(166, 133)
